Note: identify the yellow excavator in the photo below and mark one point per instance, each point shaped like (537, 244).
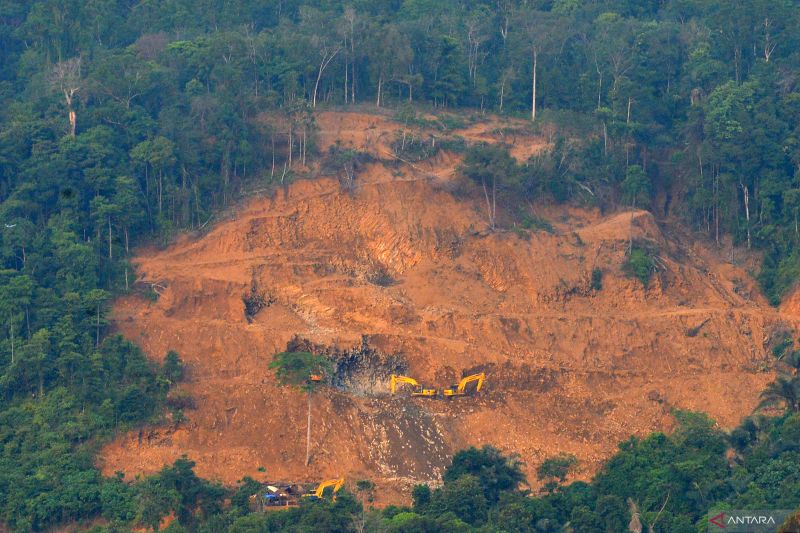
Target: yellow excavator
(460, 389)
(320, 490)
(419, 390)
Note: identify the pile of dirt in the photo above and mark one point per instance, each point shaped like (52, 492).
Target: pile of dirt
(571, 367)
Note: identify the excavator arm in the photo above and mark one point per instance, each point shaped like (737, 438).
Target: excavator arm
(460, 390)
(403, 379)
(469, 379)
(418, 389)
(320, 490)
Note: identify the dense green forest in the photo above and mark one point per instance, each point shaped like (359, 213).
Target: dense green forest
(123, 122)
(147, 116)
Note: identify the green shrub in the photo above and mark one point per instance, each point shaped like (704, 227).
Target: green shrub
(452, 122)
(780, 348)
(455, 144)
(557, 467)
(537, 224)
(173, 368)
(597, 279)
(414, 148)
(640, 265)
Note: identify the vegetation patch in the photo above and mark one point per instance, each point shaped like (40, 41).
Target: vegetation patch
(597, 279)
(640, 263)
(414, 147)
(452, 122)
(782, 346)
(534, 223)
(454, 143)
(554, 470)
(345, 163)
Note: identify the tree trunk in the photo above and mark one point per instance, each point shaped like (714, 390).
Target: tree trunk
(533, 98)
(73, 123)
(630, 229)
(628, 118)
(489, 213)
(635, 525)
(326, 59)
(380, 85)
(291, 143)
(110, 253)
(352, 64)
(304, 146)
(316, 86)
(73, 118)
(308, 432)
(494, 201)
(716, 207)
(272, 172)
(746, 192)
(599, 87)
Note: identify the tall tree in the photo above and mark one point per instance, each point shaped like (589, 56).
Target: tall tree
(306, 373)
(391, 58)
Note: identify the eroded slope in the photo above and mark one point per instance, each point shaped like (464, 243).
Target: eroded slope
(400, 260)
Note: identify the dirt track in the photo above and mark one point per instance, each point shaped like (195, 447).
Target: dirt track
(570, 369)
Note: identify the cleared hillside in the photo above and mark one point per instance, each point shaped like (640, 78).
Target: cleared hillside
(402, 261)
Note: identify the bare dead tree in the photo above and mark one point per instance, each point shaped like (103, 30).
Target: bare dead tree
(652, 525)
(769, 43)
(506, 77)
(327, 53)
(533, 98)
(544, 34)
(635, 525)
(351, 18)
(476, 36)
(65, 77)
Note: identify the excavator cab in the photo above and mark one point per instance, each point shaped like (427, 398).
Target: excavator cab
(319, 492)
(460, 389)
(419, 390)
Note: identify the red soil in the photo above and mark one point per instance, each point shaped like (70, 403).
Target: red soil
(570, 369)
